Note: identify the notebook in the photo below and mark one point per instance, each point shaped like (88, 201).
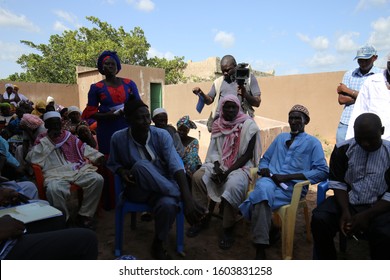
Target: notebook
(31, 212)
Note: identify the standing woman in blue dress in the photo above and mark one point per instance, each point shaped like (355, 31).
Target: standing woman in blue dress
(105, 105)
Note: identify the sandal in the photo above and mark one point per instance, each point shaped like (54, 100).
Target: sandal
(227, 239)
(85, 222)
(194, 230)
(226, 243)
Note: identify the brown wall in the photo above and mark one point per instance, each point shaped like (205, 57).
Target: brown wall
(279, 93)
(142, 76)
(63, 94)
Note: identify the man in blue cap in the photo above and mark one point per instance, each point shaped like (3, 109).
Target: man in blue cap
(349, 88)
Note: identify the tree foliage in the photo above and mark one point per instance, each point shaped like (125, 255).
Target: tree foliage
(56, 61)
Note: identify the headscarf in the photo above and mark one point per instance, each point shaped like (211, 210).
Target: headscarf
(9, 85)
(39, 105)
(104, 55)
(230, 129)
(5, 105)
(31, 121)
(49, 99)
(186, 122)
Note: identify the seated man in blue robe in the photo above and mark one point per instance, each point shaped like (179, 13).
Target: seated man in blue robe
(152, 171)
(290, 158)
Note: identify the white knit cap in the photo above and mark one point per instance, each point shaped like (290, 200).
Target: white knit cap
(73, 109)
(51, 114)
(158, 111)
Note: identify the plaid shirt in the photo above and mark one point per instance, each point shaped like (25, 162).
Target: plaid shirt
(354, 79)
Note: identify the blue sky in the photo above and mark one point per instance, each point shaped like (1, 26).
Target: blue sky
(290, 37)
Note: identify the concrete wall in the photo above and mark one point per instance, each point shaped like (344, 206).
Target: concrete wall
(142, 76)
(279, 93)
(269, 130)
(63, 94)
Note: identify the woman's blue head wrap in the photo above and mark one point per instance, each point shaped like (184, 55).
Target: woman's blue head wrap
(102, 57)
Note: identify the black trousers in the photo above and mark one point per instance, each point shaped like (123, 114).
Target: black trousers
(325, 225)
(49, 240)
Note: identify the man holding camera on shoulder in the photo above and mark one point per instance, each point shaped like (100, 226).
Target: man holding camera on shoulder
(236, 80)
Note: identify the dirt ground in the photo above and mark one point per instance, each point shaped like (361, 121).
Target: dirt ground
(205, 246)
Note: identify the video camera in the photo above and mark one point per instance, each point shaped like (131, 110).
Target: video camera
(241, 74)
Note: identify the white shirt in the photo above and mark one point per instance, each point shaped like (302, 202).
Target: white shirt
(12, 96)
(374, 97)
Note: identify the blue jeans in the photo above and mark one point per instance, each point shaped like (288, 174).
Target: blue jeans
(341, 132)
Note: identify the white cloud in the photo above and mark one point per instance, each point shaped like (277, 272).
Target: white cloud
(264, 66)
(318, 43)
(10, 52)
(66, 16)
(8, 19)
(366, 4)
(60, 27)
(143, 5)
(321, 59)
(167, 55)
(225, 39)
(345, 42)
(380, 36)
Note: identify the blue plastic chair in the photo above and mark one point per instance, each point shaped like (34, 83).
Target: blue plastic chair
(122, 208)
(322, 189)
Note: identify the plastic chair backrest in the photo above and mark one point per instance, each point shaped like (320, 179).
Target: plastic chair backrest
(125, 206)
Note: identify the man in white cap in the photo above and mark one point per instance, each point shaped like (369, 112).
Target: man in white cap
(160, 119)
(374, 97)
(349, 88)
(12, 97)
(61, 156)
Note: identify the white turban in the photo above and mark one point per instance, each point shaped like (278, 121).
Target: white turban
(9, 85)
(49, 99)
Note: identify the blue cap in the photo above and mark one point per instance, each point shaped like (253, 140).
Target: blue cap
(365, 52)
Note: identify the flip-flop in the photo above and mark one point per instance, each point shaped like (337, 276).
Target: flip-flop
(226, 243)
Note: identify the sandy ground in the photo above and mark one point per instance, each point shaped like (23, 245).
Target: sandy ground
(205, 246)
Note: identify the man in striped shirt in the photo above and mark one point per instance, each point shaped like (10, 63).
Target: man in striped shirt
(348, 89)
(360, 177)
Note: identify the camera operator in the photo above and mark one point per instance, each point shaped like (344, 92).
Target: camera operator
(248, 92)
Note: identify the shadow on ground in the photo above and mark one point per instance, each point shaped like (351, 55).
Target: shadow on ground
(205, 246)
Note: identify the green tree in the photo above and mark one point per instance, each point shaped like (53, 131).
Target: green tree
(173, 68)
(56, 61)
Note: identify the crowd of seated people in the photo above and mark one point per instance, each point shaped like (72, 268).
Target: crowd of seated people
(160, 165)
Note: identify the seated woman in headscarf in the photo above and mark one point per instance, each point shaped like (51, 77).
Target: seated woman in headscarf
(39, 109)
(32, 126)
(234, 148)
(191, 157)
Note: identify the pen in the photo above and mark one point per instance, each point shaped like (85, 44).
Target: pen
(354, 237)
